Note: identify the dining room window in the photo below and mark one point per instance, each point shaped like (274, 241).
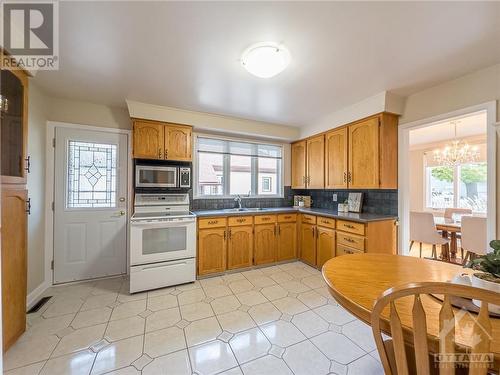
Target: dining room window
(459, 186)
(225, 168)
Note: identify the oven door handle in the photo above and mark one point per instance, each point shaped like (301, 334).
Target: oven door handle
(161, 224)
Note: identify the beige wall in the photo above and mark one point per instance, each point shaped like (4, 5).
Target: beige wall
(37, 119)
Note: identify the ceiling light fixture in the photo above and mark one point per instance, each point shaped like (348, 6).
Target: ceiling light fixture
(266, 59)
(459, 152)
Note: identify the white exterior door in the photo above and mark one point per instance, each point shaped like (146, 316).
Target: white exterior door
(90, 199)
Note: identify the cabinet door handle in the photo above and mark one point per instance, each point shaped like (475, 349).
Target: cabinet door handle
(28, 206)
(313, 231)
(166, 154)
(159, 153)
(279, 230)
(229, 234)
(224, 235)
(345, 176)
(349, 176)
(275, 230)
(27, 168)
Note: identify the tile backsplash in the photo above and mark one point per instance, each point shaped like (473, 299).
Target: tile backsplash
(374, 201)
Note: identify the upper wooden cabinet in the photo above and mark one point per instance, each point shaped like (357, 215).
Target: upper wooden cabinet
(162, 141)
(315, 178)
(360, 155)
(336, 159)
(178, 142)
(299, 165)
(308, 163)
(14, 126)
(148, 140)
(373, 153)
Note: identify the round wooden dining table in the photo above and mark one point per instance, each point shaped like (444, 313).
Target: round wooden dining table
(356, 281)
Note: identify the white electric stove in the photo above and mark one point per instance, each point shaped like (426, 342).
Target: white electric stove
(162, 242)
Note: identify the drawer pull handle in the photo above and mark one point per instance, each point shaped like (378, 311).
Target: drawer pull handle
(266, 218)
(240, 220)
(213, 221)
(288, 217)
(349, 240)
(349, 226)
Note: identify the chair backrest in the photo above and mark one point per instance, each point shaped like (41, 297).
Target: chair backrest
(474, 238)
(423, 228)
(481, 329)
(448, 212)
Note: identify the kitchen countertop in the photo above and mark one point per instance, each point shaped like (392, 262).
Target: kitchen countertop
(351, 216)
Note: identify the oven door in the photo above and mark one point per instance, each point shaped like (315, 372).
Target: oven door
(157, 241)
(154, 176)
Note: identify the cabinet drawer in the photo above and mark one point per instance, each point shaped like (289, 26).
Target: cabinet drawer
(344, 250)
(235, 221)
(287, 218)
(212, 222)
(265, 219)
(326, 222)
(351, 227)
(356, 242)
(306, 218)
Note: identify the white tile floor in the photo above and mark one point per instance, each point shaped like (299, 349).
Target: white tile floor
(275, 320)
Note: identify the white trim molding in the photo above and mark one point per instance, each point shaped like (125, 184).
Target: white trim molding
(404, 172)
(36, 293)
(49, 190)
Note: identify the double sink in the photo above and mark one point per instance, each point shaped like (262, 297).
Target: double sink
(244, 209)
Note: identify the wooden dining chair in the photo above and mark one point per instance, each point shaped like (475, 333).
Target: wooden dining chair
(408, 351)
(423, 230)
(474, 237)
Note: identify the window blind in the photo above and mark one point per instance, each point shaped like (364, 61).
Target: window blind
(219, 146)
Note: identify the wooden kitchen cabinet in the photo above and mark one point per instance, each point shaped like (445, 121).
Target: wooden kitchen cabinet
(299, 165)
(265, 244)
(287, 241)
(308, 243)
(336, 159)
(212, 247)
(161, 141)
(148, 139)
(178, 142)
(325, 245)
(240, 247)
(315, 178)
(14, 264)
(364, 154)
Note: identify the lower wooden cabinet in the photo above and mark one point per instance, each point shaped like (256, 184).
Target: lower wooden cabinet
(308, 243)
(14, 265)
(212, 250)
(287, 241)
(265, 244)
(240, 247)
(325, 245)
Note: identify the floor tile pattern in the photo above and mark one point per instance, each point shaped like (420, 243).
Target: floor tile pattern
(273, 320)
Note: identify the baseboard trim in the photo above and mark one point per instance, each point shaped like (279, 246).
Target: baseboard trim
(32, 298)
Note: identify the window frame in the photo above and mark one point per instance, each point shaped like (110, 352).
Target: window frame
(456, 189)
(226, 171)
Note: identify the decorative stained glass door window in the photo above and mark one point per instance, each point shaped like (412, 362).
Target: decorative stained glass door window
(91, 175)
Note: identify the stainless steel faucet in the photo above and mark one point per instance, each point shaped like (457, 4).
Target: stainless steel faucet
(238, 199)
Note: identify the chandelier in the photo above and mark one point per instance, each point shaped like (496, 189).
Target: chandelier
(459, 152)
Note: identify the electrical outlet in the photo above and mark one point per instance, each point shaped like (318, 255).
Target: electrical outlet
(334, 197)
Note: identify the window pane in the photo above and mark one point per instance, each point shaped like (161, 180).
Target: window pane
(473, 190)
(241, 174)
(268, 176)
(439, 187)
(210, 174)
(91, 175)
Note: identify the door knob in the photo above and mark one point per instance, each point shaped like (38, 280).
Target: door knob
(122, 199)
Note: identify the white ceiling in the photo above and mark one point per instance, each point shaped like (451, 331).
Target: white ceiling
(185, 55)
(473, 125)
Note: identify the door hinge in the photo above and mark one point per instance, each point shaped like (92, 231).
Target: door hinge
(53, 206)
(379, 122)
(51, 264)
(53, 142)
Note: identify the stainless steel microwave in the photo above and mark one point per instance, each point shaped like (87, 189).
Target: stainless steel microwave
(153, 176)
